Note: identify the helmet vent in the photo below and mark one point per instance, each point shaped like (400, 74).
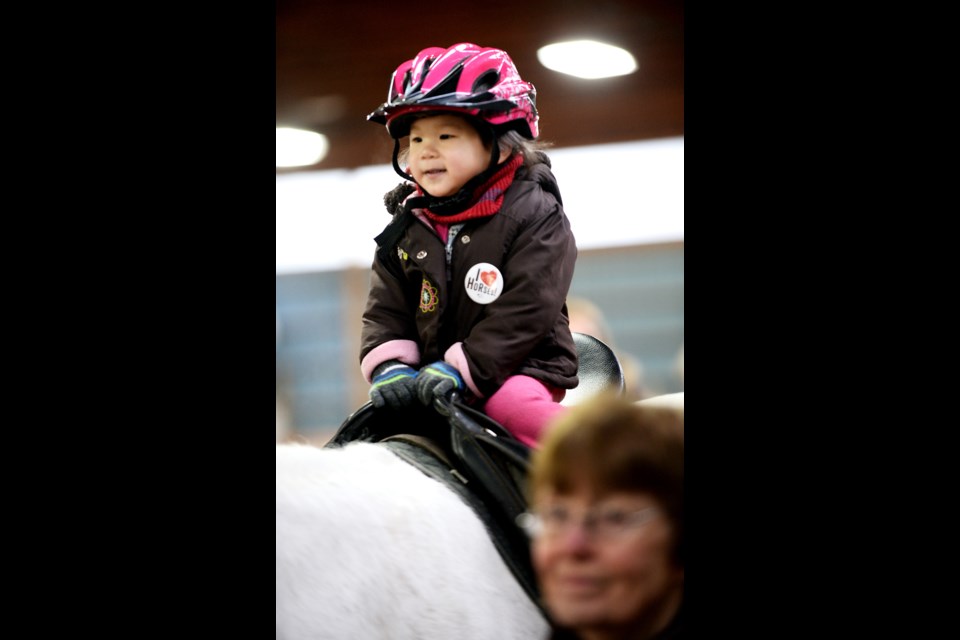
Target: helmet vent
(485, 82)
(448, 85)
(404, 87)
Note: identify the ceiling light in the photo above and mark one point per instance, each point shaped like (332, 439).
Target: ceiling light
(587, 59)
(300, 148)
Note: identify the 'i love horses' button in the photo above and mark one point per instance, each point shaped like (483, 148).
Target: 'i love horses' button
(483, 283)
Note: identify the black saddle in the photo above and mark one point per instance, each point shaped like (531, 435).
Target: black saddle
(598, 369)
(474, 455)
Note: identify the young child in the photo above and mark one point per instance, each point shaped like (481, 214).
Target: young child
(470, 278)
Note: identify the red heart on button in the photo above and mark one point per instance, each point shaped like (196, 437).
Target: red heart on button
(488, 277)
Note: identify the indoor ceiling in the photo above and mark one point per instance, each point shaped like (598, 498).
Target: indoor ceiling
(335, 59)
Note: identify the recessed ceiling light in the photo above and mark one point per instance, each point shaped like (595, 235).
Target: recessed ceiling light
(587, 59)
(300, 148)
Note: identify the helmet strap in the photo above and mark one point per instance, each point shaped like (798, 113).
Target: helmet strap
(396, 162)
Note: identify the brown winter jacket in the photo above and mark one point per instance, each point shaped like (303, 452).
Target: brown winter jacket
(417, 309)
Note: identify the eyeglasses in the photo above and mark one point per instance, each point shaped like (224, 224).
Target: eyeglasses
(603, 522)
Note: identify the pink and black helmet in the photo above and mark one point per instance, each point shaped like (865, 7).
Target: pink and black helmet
(465, 78)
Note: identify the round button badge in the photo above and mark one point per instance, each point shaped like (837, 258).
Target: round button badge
(483, 283)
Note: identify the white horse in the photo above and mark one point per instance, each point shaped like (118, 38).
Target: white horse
(370, 547)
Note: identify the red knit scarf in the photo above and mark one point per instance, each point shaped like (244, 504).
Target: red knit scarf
(489, 195)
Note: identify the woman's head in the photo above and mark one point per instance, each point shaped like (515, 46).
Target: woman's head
(606, 487)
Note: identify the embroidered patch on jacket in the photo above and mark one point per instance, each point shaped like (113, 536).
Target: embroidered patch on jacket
(483, 283)
(428, 297)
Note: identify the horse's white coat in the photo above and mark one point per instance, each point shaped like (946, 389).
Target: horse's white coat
(368, 548)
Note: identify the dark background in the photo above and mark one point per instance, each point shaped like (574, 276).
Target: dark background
(334, 61)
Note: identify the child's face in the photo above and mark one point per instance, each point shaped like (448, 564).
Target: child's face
(445, 152)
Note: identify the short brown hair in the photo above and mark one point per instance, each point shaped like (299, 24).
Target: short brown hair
(610, 443)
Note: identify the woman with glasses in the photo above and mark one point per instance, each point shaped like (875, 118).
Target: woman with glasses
(606, 521)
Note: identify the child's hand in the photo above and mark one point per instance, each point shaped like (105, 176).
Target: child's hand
(394, 385)
(437, 379)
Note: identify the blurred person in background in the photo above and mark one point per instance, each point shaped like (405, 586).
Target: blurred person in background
(587, 317)
(678, 364)
(470, 278)
(606, 521)
(284, 428)
(284, 419)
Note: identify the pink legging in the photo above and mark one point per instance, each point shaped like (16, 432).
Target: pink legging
(523, 406)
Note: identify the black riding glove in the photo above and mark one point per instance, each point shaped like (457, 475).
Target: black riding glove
(393, 385)
(437, 379)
